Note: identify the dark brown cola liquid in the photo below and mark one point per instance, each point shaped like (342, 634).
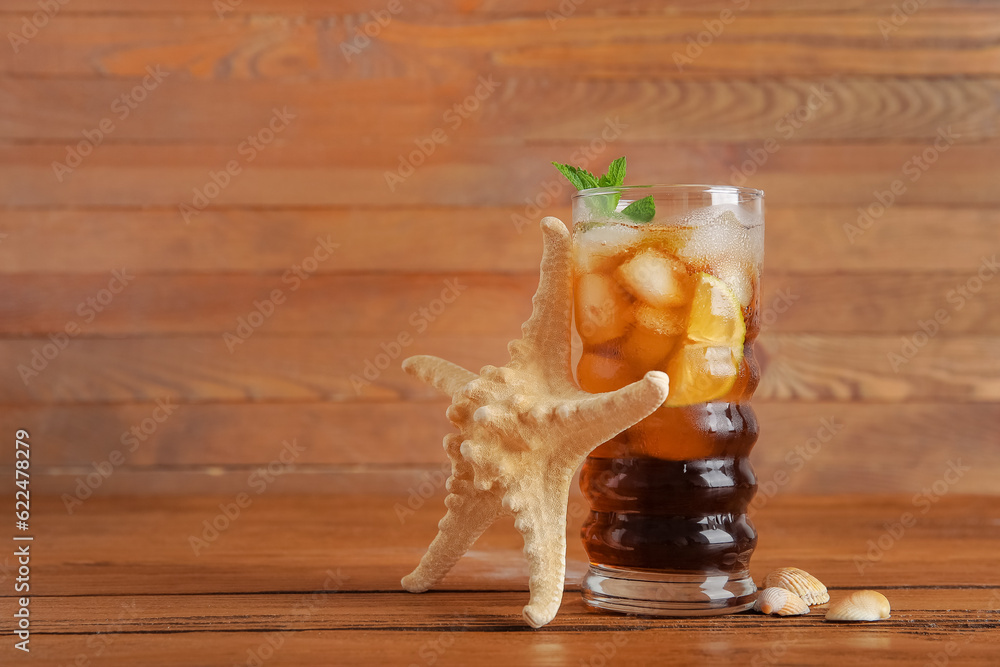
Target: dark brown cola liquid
(653, 513)
(691, 516)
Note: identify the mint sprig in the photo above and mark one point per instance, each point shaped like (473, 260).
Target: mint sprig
(642, 210)
(614, 176)
(580, 178)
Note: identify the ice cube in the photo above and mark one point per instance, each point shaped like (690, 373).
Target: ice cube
(740, 279)
(602, 308)
(656, 279)
(602, 247)
(715, 235)
(668, 322)
(598, 373)
(726, 241)
(719, 362)
(646, 349)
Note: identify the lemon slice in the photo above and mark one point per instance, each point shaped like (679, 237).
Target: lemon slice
(705, 366)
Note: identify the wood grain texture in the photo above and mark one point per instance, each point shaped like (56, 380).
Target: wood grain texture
(469, 173)
(266, 368)
(738, 112)
(71, 483)
(308, 573)
(751, 45)
(372, 544)
(861, 367)
(383, 304)
(640, 46)
(525, 109)
(435, 239)
(550, 648)
(337, 589)
(483, 8)
(813, 448)
(356, 611)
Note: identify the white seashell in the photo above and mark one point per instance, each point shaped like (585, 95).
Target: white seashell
(800, 582)
(860, 606)
(780, 601)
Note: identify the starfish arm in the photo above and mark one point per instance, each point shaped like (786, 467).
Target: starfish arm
(542, 523)
(443, 375)
(600, 417)
(545, 340)
(466, 519)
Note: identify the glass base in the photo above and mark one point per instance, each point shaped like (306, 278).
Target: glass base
(668, 594)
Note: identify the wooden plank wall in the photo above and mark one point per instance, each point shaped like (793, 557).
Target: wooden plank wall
(822, 104)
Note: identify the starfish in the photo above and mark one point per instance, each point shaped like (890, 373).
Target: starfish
(524, 429)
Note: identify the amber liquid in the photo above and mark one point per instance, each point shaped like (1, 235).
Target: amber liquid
(670, 494)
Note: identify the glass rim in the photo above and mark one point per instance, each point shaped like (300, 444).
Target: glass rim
(745, 194)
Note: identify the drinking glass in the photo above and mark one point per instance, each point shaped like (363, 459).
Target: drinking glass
(673, 287)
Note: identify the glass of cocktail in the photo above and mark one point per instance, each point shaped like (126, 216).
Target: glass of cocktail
(667, 533)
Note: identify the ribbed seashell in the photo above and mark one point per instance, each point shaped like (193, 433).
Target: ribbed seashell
(780, 601)
(809, 588)
(860, 606)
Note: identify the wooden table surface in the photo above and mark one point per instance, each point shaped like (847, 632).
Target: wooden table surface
(314, 580)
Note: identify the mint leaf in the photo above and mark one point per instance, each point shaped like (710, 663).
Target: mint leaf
(589, 180)
(641, 210)
(580, 178)
(615, 175)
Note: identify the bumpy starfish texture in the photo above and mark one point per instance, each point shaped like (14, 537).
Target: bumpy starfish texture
(524, 429)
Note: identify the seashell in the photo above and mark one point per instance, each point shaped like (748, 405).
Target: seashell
(780, 601)
(809, 588)
(860, 606)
